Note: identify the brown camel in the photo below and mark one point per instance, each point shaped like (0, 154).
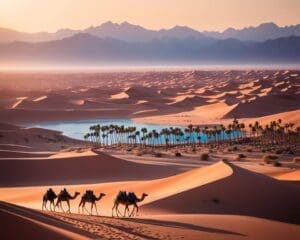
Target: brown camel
(127, 200)
(49, 196)
(90, 197)
(64, 196)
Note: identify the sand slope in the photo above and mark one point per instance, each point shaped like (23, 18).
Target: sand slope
(75, 170)
(290, 176)
(21, 223)
(242, 193)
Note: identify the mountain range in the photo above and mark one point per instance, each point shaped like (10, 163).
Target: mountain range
(112, 43)
(134, 33)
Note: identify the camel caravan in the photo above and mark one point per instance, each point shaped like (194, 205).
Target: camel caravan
(123, 198)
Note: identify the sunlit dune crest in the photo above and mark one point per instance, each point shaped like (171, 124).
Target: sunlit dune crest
(121, 95)
(40, 98)
(20, 100)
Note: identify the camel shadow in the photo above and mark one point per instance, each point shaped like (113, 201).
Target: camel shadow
(173, 224)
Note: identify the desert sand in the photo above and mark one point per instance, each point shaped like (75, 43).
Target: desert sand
(224, 197)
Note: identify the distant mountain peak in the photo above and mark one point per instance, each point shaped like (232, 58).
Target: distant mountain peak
(268, 24)
(128, 32)
(108, 24)
(262, 32)
(125, 23)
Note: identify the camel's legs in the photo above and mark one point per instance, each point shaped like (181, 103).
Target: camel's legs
(137, 210)
(61, 207)
(92, 208)
(112, 210)
(84, 208)
(43, 205)
(80, 206)
(132, 212)
(69, 208)
(118, 211)
(56, 205)
(96, 209)
(126, 210)
(52, 204)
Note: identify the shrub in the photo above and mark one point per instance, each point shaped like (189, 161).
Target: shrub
(158, 154)
(204, 156)
(296, 159)
(276, 164)
(177, 154)
(139, 153)
(240, 157)
(279, 151)
(234, 148)
(269, 158)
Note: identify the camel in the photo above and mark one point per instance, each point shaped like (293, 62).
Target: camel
(49, 196)
(64, 196)
(127, 200)
(90, 197)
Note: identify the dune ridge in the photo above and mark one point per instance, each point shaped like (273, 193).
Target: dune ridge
(242, 193)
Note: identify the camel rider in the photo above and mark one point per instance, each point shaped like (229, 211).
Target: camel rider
(51, 192)
(122, 195)
(65, 193)
(89, 193)
(131, 196)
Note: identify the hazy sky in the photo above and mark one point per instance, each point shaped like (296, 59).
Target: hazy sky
(50, 15)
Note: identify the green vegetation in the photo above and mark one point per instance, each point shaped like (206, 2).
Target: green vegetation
(273, 137)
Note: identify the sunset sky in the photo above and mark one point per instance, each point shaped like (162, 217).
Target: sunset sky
(50, 15)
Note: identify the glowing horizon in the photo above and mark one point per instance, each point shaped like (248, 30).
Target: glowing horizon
(212, 15)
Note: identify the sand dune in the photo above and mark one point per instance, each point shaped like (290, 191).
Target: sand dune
(293, 175)
(75, 170)
(20, 100)
(121, 95)
(78, 102)
(179, 98)
(265, 106)
(21, 223)
(40, 98)
(20, 154)
(52, 101)
(194, 227)
(168, 92)
(21, 139)
(202, 114)
(187, 198)
(157, 189)
(190, 102)
(221, 188)
(241, 193)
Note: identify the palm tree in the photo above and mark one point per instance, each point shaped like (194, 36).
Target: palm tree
(144, 131)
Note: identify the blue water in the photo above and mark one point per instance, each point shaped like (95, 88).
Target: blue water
(77, 129)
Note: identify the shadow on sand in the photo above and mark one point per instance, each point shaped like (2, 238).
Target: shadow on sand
(181, 225)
